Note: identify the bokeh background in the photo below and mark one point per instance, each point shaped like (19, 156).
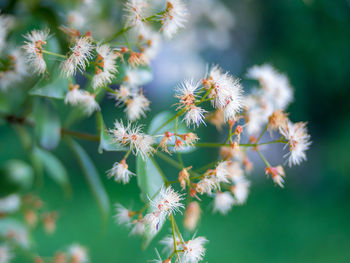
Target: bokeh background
(308, 220)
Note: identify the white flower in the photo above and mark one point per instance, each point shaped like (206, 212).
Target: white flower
(106, 67)
(10, 203)
(256, 113)
(206, 185)
(120, 172)
(80, 55)
(223, 202)
(74, 95)
(221, 172)
(135, 13)
(174, 18)
(277, 174)
(167, 201)
(33, 48)
(139, 142)
(78, 253)
(194, 250)
(17, 69)
(226, 92)
(277, 89)
(137, 106)
(88, 102)
(194, 116)
(168, 243)
(5, 254)
(234, 169)
(298, 141)
(154, 221)
(138, 228)
(240, 189)
(186, 93)
(123, 215)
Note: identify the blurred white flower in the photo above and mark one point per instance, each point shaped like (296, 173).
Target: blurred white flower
(298, 141)
(33, 48)
(81, 52)
(174, 18)
(223, 202)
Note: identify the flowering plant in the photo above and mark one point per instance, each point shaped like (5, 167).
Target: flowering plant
(92, 68)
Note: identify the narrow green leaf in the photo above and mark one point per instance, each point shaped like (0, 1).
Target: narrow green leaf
(92, 177)
(52, 88)
(106, 142)
(54, 168)
(47, 125)
(149, 181)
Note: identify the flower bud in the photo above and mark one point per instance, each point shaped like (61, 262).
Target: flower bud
(277, 119)
(192, 215)
(31, 218)
(184, 177)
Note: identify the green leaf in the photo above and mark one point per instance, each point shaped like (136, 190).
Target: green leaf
(52, 88)
(92, 177)
(54, 168)
(106, 142)
(149, 181)
(47, 125)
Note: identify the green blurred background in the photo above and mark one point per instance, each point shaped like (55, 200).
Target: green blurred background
(308, 220)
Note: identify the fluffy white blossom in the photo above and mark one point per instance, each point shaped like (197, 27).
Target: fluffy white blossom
(194, 250)
(221, 172)
(137, 106)
(167, 201)
(276, 85)
(298, 141)
(33, 48)
(194, 116)
(138, 228)
(206, 185)
(174, 18)
(223, 202)
(122, 215)
(226, 92)
(135, 13)
(82, 98)
(74, 95)
(16, 71)
(240, 189)
(131, 135)
(106, 66)
(120, 172)
(89, 103)
(81, 52)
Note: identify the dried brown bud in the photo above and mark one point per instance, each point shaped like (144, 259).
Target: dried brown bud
(184, 177)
